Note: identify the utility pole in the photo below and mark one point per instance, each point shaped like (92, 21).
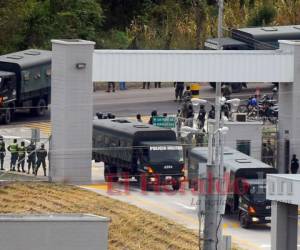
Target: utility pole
(213, 225)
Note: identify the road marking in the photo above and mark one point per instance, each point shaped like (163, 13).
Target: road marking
(170, 211)
(235, 225)
(185, 206)
(96, 186)
(45, 127)
(269, 246)
(105, 187)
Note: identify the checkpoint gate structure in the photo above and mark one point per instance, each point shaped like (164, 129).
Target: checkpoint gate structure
(76, 65)
(74, 61)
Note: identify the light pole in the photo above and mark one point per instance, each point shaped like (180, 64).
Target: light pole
(214, 202)
(211, 135)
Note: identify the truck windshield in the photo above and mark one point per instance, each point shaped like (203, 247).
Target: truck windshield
(258, 198)
(257, 193)
(165, 153)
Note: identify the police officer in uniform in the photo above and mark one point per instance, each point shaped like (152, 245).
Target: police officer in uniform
(187, 111)
(31, 157)
(41, 159)
(21, 154)
(187, 93)
(294, 165)
(212, 113)
(179, 87)
(2, 152)
(201, 117)
(13, 149)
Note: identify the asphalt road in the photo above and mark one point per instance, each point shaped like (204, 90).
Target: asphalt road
(143, 101)
(181, 207)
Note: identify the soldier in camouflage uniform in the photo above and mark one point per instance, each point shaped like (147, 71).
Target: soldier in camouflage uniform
(21, 154)
(31, 157)
(2, 152)
(41, 159)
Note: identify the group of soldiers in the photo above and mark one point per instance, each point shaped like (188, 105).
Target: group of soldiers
(35, 157)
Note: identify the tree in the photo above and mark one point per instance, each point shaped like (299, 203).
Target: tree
(200, 18)
(50, 19)
(264, 15)
(120, 13)
(11, 25)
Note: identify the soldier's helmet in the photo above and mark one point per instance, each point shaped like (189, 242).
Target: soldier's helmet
(42, 145)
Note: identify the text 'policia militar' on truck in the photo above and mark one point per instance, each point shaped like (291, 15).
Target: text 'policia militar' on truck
(25, 79)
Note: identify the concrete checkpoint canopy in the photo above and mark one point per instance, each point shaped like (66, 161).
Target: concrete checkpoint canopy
(193, 65)
(72, 83)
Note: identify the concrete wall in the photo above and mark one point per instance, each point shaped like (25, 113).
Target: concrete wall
(249, 131)
(289, 102)
(50, 232)
(71, 111)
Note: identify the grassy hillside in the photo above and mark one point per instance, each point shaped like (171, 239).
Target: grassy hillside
(130, 228)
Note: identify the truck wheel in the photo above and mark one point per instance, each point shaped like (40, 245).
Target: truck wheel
(110, 175)
(138, 179)
(106, 173)
(175, 185)
(40, 108)
(7, 116)
(244, 221)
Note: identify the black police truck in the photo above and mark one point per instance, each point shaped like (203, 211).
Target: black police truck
(25, 79)
(246, 177)
(150, 154)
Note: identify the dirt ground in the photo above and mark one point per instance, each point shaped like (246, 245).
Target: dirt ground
(130, 227)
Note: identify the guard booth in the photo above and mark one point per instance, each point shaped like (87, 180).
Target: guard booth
(282, 190)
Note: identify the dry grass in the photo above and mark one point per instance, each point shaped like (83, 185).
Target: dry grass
(130, 228)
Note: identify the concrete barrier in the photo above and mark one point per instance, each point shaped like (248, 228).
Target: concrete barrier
(54, 231)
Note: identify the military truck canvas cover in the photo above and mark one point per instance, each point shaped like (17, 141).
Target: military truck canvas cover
(266, 37)
(135, 131)
(32, 68)
(227, 43)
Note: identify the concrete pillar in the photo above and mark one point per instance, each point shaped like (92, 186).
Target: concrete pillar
(284, 227)
(289, 113)
(71, 110)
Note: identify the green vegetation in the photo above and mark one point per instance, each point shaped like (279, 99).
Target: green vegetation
(135, 24)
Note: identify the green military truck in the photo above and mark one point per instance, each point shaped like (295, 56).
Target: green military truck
(25, 79)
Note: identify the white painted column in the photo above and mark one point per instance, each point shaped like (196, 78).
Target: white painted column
(289, 113)
(71, 110)
(284, 226)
